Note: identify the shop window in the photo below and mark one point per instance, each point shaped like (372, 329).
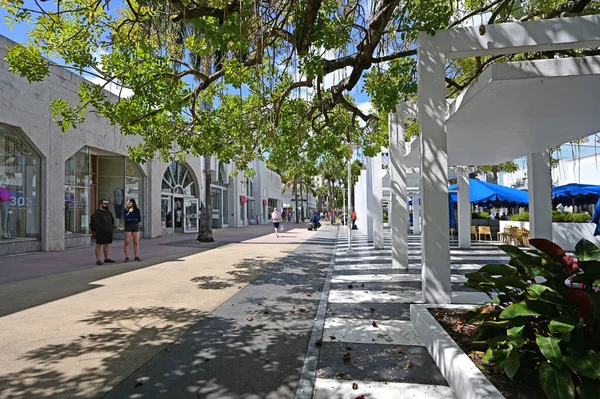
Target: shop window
(77, 193)
(20, 170)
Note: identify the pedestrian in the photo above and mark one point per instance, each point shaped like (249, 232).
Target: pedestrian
(353, 219)
(294, 217)
(132, 217)
(276, 219)
(315, 220)
(102, 225)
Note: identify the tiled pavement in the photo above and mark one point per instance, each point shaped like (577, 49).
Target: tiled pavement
(369, 346)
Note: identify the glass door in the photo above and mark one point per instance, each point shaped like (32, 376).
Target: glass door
(191, 215)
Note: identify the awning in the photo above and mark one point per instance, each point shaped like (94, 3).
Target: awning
(482, 193)
(578, 194)
(243, 199)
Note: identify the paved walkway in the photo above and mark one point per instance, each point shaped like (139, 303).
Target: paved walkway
(76, 332)
(237, 319)
(369, 346)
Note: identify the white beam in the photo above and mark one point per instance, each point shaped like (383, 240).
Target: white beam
(377, 202)
(416, 200)
(517, 37)
(464, 209)
(540, 195)
(434, 174)
(398, 204)
(369, 200)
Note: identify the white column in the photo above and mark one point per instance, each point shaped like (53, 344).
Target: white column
(369, 201)
(540, 195)
(416, 214)
(398, 206)
(435, 245)
(377, 202)
(348, 221)
(464, 209)
(362, 215)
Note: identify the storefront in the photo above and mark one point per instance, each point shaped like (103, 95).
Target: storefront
(20, 194)
(92, 175)
(220, 206)
(179, 200)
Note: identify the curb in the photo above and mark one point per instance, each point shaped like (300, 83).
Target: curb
(465, 379)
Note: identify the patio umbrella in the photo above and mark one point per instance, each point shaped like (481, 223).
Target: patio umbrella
(484, 193)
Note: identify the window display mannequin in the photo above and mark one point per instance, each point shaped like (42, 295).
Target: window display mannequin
(118, 204)
(5, 211)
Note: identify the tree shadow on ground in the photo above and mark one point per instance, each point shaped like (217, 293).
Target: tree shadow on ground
(128, 338)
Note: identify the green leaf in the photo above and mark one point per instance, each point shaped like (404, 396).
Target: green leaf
(586, 250)
(516, 310)
(515, 334)
(588, 365)
(549, 348)
(511, 251)
(492, 323)
(499, 269)
(588, 389)
(512, 364)
(556, 382)
(564, 325)
(511, 282)
(545, 294)
(479, 277)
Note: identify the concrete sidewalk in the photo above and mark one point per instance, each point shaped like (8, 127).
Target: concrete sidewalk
(39, 264)
(74, 330)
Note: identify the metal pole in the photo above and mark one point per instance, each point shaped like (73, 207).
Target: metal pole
(349, 212)
(343, 207)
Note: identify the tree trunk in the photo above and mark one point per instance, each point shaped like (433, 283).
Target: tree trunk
(205, 230)
(331, 201)
(295, 209)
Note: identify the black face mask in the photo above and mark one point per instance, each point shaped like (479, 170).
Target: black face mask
(105, 207)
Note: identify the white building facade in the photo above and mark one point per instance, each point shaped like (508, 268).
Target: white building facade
(51, 181)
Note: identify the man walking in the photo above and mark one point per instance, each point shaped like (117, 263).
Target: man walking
(354, 219)
(102, 229)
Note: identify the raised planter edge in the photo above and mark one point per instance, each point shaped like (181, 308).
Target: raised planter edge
(465, 379)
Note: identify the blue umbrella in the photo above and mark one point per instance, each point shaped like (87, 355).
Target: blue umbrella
(482, 193)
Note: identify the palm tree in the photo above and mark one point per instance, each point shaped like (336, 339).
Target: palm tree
(332, 170)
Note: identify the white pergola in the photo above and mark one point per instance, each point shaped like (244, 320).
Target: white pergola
(512, 110)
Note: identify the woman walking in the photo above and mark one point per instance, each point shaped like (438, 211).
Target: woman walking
(133, 217)
(276, 219)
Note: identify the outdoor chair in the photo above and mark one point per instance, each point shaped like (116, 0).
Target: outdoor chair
(485, 231)
(474, 232)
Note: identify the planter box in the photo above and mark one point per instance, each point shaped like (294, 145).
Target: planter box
(565, 235)
(465, 379)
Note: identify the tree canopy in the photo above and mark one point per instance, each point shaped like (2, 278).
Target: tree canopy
(250, 78)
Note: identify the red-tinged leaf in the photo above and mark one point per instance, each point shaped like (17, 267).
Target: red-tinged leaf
(332, 337)
(319, 342)
(361, 397)
(308, 295)
(385, 382)
(354, 385)
(302, 310)
(340, 375)
(581, 301)
(350, 286)
(375, 324)
(348, 348)
(400, 350)
(548, 247)
(384, 292)
(347, 356)
(292, 311)
(250, 318)
(409, 364)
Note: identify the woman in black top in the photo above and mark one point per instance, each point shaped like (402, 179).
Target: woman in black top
(132, 217)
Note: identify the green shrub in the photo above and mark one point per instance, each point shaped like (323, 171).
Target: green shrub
(480, 215)
(551, 326)
(523, 217)
(559, 217)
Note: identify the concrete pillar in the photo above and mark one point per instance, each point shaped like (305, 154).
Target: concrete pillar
(369, 200)
(236, 202)
(540, 195)
(364, 207)
(398, 204)
(377, 202)
(464, 209)
(52, 226)
(416, 214)
(434, 172)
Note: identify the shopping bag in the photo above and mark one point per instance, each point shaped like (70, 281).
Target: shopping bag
(280, 227)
